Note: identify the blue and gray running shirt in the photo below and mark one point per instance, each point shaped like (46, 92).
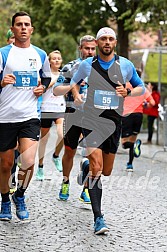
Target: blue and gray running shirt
(102, 81)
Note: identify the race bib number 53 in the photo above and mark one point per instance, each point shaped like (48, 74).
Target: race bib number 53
(26, 79)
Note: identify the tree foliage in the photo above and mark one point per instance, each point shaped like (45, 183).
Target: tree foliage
(5, 19)
(60, 23)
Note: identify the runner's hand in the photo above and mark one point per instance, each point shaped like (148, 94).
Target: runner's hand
(8, 79)
(78, 100)
(121, 90)
(38, 91)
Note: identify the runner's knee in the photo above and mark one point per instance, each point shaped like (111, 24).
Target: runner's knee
(127, 145)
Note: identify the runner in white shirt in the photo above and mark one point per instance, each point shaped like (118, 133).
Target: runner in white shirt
(11, 39)
(23, 67)
(52, 108)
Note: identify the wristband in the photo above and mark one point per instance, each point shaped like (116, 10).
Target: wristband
(128, 91)
(44, 87)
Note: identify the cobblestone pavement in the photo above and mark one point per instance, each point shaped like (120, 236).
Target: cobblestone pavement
(134, 206)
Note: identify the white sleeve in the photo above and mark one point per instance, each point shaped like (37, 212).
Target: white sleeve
(1, 63)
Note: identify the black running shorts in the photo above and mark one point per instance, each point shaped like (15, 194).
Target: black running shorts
(10, 133)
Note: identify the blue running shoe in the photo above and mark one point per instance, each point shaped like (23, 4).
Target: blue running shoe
(129, 167)
(137, 150)
(58, 163)
(64, 192)
(40, 174)
(83, 174)
(100, 226)
(85, 196)
(5, 214)
(21, 210)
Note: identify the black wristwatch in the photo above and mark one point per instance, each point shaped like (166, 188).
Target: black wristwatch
(128, 91)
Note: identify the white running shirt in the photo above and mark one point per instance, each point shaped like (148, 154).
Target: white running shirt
(18, 104)
(52, 103)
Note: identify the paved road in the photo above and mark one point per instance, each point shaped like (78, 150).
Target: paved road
(134, 205)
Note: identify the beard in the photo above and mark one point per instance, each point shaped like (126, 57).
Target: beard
(106, 52)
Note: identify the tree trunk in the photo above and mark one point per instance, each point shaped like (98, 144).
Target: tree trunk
(123, 40)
